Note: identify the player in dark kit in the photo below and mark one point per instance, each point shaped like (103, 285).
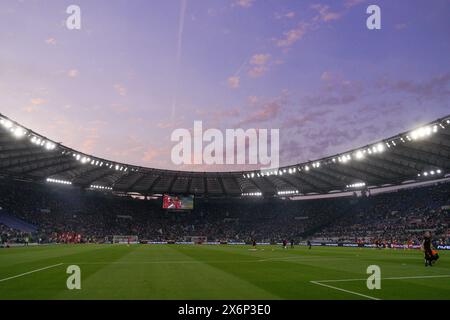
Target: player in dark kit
(308, 243)
(430, 255)
(292, 243)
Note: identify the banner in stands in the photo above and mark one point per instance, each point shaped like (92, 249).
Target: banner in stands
(369, 245)
(316, 244)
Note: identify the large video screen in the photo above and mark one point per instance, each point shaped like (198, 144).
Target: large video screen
(173, 202)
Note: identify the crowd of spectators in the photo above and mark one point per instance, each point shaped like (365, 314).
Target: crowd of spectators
(398, 217)
(68, 214)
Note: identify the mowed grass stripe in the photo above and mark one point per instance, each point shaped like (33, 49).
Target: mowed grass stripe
(162, 281)
(217, 272)
(49, 283)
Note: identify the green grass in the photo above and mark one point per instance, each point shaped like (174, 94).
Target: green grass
(217, 272)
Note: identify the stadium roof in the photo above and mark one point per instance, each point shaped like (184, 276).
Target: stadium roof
(414, 156)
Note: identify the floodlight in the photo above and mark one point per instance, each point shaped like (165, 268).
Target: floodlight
(19, 132)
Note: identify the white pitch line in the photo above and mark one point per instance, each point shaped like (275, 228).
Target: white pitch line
(348, 291)
(389, 278)
(33, 271)
(321, 283)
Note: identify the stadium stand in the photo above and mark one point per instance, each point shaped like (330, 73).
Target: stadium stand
(52, 193)
(71, 215)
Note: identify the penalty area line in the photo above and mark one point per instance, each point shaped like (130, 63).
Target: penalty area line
(29, 272)
(344, 290)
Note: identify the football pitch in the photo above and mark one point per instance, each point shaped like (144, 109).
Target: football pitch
(219, 272)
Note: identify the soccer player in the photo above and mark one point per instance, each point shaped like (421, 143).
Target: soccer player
(427, 248)
(285, 244)
(308, 243)
(292, 243)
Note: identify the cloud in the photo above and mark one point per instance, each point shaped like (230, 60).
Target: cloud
(30, 109)
(290, 37)
(436, 87)
(258, 64)
(169, 124)
(118, 108)
(73, 73)
(260, 59)
(268, 112)
(217, 118)
(91, 136)
(51, 41)
(233, 82)
(37, 101)
(335, 91)
(324, 13)
(288, 15)
(352, 3)
(252, 100)
(306, 117)
(153, 153)
(331, 100)
(120, 89)
(243, 3)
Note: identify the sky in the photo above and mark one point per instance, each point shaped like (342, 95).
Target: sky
(137, 70)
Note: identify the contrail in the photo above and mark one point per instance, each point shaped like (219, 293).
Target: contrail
(183, 5)
(238, 71)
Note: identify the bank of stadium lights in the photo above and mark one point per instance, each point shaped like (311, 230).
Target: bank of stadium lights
(18, 132)
(430, 173)
(356, 185)
(288, 192)
(58, 181)
(423, 132)
(361, 154)
(344, 158)
(252, 194)
(99, 163)
(47, 145)
(98, 187)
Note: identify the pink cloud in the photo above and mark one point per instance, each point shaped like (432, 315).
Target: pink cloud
(324, 13)
(259, 65)
(292, 36)
(73, 73)
(268, 112)
(352, 3)
(234, 82)
(244, 3)
(51, 41)
(37, 101)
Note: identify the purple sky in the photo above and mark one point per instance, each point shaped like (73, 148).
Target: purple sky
(139, 69)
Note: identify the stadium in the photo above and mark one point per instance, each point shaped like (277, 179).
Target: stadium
(112, 219)
(93, 205)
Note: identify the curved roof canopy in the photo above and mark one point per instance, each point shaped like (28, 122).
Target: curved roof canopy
(417, 155)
